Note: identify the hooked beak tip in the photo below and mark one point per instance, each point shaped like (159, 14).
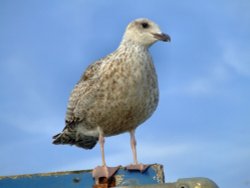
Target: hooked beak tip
(162, 36)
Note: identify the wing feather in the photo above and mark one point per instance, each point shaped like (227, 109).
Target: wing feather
(81, 89)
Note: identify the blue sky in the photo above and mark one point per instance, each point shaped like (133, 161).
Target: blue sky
(202, 125)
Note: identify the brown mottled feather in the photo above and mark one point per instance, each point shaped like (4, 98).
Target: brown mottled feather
(115, 94)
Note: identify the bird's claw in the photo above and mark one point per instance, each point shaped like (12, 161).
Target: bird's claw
(104, 171)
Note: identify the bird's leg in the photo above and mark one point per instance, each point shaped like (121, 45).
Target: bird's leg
(103, 171)
(135, 165)
(133, 146)
(101, 142)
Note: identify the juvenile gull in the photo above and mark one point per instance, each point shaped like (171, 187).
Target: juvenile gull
(115, 94)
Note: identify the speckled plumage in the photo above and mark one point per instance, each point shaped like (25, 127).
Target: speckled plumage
(116, 93)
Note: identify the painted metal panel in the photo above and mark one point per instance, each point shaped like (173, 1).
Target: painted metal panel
(153, 177)
(74, 179)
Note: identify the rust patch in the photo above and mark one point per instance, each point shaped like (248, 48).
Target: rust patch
(159, 177)
(105, 182)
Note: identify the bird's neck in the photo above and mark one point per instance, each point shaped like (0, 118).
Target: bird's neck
(132, 47)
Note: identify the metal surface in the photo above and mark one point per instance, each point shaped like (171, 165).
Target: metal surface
(76, 179)
(181, 183)
(153, 177)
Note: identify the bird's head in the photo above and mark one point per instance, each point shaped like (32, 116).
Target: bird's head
(144, 32)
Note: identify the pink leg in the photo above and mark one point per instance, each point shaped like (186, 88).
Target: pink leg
(135, 166)
(133, 146)
(103, 171)
(101, 142)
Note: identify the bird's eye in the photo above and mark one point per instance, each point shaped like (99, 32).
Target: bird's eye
(145, 25)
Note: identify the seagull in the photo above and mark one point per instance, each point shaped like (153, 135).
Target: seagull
(115, 94)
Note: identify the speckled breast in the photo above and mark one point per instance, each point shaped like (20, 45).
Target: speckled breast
(126, 97)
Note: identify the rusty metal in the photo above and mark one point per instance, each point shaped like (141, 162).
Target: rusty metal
(153, 177)
(83, 178)
(105, 183)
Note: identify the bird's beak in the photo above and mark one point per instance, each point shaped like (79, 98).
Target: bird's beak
(162, 36)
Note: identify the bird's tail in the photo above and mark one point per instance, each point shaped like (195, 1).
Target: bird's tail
(83, 141)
